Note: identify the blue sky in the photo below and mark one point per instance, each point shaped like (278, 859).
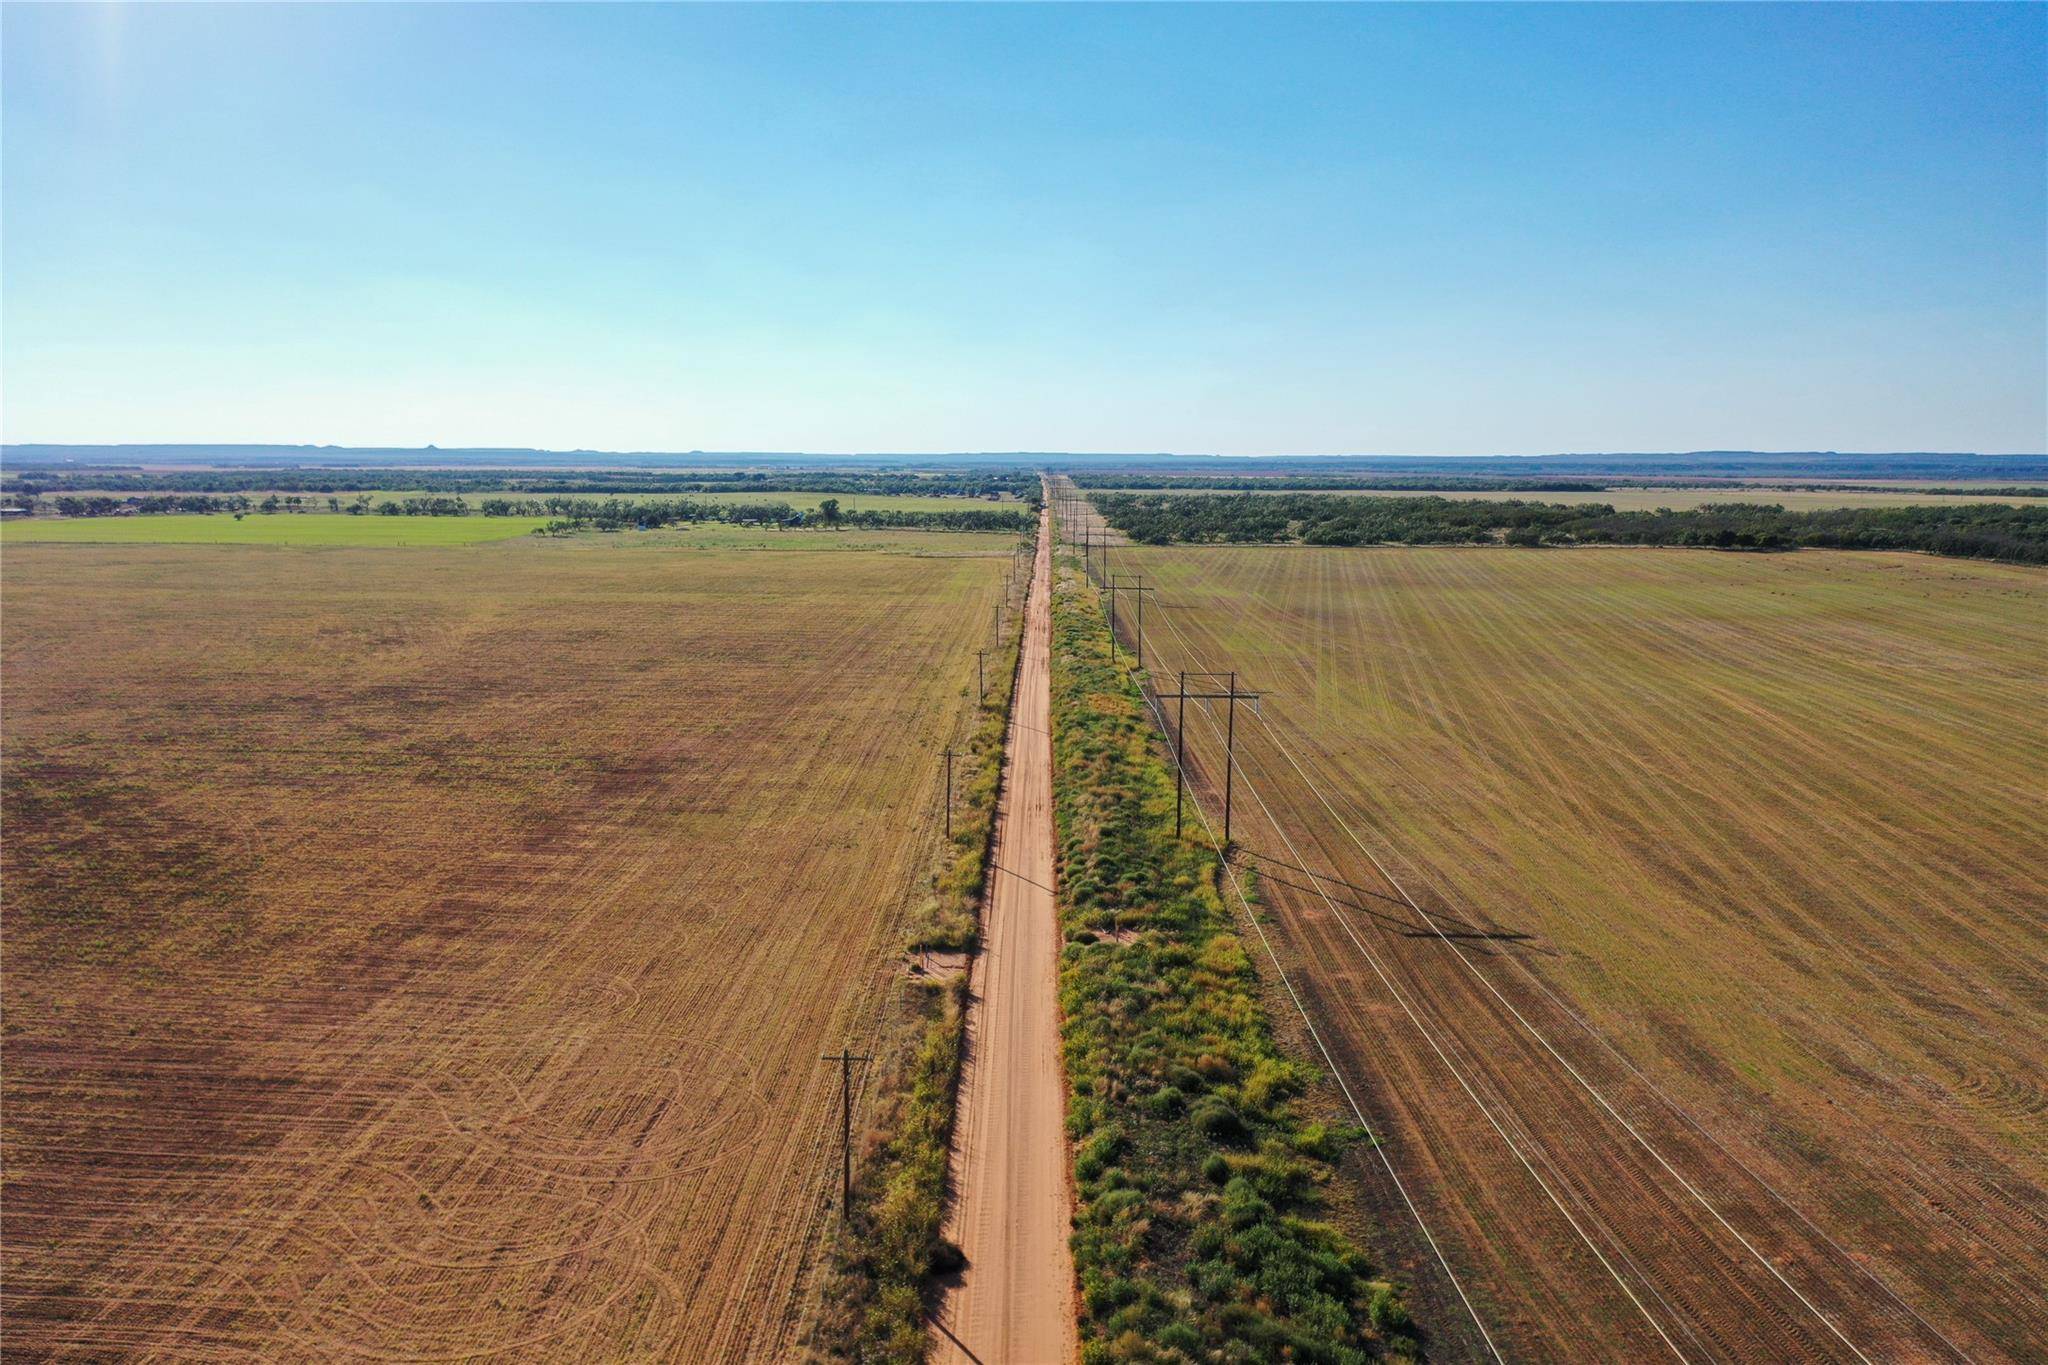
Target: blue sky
(1452, 229)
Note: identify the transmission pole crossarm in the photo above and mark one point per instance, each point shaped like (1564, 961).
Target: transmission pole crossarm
(1232, 694)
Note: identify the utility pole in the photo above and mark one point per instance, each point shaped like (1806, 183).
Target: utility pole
(1142, 590)
(1137, 586)
(1180, 751)
(1230, 760)
(1111, 585)
(1233, 696)
(980, 679)
(846, 1059)
(949, 791)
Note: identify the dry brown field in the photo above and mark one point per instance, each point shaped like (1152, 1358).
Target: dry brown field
(427, 953)
(1679, 919)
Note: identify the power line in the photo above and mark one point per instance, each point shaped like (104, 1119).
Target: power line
(1372, 1138)
(1576, 1075)
(1140, 590)
(1486, 1111)
(1378, 1147)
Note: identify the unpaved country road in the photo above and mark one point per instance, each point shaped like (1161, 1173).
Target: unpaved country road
(1011, 1211)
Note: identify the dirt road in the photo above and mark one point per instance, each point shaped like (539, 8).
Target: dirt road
(1011, 1210)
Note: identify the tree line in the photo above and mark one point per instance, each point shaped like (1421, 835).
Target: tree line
(1425, 483)
(236, 504)
(567, 513)
(106, 505)
(992, 485)
(619, 514)
(1987, 530)
(1393, 483)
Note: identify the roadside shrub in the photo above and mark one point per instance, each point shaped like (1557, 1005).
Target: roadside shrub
(1217, 1121)
(1387, 1311)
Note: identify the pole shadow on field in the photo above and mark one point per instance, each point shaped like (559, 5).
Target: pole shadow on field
(1406, 927)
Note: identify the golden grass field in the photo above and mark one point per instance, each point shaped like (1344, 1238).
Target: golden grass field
(1751, 846)
(427, 953)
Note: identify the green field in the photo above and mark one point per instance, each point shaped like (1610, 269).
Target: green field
(315, 529)
(1646, 499)
(718, 535)
(310, 528)
(850, 502)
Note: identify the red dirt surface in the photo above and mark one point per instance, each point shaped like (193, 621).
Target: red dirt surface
(1011, 1208)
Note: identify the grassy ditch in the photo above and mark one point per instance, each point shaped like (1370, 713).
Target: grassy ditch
(886, 1252)
(1198, 1180)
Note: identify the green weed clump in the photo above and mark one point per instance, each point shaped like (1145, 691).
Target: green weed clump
(1197, 1180)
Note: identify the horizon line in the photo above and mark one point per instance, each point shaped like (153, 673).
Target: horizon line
(15, 447)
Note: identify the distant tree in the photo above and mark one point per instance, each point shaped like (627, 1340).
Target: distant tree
(828, 511)
(334, 504)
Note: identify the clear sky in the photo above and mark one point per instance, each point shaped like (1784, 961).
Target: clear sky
(1246, 230)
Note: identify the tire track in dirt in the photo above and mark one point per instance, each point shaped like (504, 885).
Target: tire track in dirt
(506, 1061)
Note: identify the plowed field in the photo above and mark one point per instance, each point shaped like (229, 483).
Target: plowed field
(422, 954)
(1679, 919)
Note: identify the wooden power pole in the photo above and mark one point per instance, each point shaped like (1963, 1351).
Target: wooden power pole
(949, 791)
(1138, 588)
(846, 1059)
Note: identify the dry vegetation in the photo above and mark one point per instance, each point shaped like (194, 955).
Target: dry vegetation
(1771, 826)
(423, 953)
